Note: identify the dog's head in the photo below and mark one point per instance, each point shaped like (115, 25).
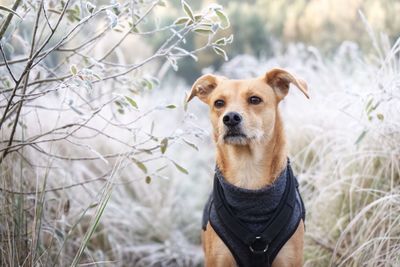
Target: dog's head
(244, 111)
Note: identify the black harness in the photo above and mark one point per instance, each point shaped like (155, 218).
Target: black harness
(255, 242)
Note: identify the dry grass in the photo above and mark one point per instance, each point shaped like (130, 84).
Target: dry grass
(344, 143)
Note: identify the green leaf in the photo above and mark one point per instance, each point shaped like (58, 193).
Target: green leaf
(164, 145)
(221, 41)
(93, 205)
(187, 10)
(161, 168)
(191, 145)
(161, 3)
(147, 83)
(182, 20)
(10, 11)
(135, 29)
(203, 31)
(96, 76)
(198, 17)
(230, 39)
(73, 70)
(131, 102)
(380, 116)
(148, 179)
(140, 165)
(180, 168)
(220, 52)
(223, 19)
(361, 137)
(368, 106)
(147, 151)
(171, 106)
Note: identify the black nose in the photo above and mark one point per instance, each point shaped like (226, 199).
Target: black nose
(232, 119)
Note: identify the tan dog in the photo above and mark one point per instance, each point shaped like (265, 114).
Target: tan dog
(254, 154)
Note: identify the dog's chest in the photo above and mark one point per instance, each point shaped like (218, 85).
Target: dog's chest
(247, 174)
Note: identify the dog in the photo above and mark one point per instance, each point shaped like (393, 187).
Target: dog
(251, 161)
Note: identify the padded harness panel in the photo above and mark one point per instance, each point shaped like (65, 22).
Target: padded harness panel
(254, 209)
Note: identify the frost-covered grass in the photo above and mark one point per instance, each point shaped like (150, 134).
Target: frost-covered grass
(344, 144)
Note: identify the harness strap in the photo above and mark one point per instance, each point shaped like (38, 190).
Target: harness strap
(284, 210)
(258, 243)
(229, 219)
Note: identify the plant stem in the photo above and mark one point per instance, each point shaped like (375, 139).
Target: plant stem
(8, 20)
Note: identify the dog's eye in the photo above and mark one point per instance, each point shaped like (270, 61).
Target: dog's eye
(219, 103)
(255, 100)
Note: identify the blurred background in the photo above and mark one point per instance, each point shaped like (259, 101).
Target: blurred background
(103, 163)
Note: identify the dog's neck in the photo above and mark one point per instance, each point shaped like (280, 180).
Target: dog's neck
(257, 164)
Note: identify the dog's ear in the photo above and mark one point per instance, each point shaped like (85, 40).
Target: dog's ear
(280, 79)
(202, 87)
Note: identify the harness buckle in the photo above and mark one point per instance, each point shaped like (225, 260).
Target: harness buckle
(259, 246)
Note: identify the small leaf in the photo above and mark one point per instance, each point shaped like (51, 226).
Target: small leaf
(182, 20)
(191, 145)
(73, 70)
(140, 165)
(368, 106)
(361, 137)
(220, 52)
(223, 19)
(164, 145)
(171, 106)
(10, 11)
(147, 151)
(90, 7)
(180, 168)
(135, 29)
(198, 17)
(66, 206)
(221, 41)
(380, 116)
(230, 39)
(93, 205)
(203, 31)
(131, 102)
(96, 76)
(148, 179)
(147, 83)
(161, 168)
(161, 3)
(187, 10)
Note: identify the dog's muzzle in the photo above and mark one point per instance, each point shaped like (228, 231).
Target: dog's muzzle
(232, 119)
(233, 127)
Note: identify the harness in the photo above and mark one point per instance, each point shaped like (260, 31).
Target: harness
(255, 224)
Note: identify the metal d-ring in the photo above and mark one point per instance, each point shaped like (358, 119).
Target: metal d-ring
(258, 238)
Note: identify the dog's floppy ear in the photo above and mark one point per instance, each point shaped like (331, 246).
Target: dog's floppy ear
(202, 87)
(279, 80)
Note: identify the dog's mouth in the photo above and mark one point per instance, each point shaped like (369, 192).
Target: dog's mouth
(235, 137)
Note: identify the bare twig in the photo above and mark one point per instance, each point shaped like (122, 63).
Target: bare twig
(8, 19)
(26, 75)
(5, 62)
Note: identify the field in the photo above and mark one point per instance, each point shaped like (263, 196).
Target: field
(102, 163)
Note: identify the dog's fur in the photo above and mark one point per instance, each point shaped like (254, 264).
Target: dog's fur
(253, 157)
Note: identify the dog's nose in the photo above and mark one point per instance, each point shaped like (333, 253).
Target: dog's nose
(232, 119)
